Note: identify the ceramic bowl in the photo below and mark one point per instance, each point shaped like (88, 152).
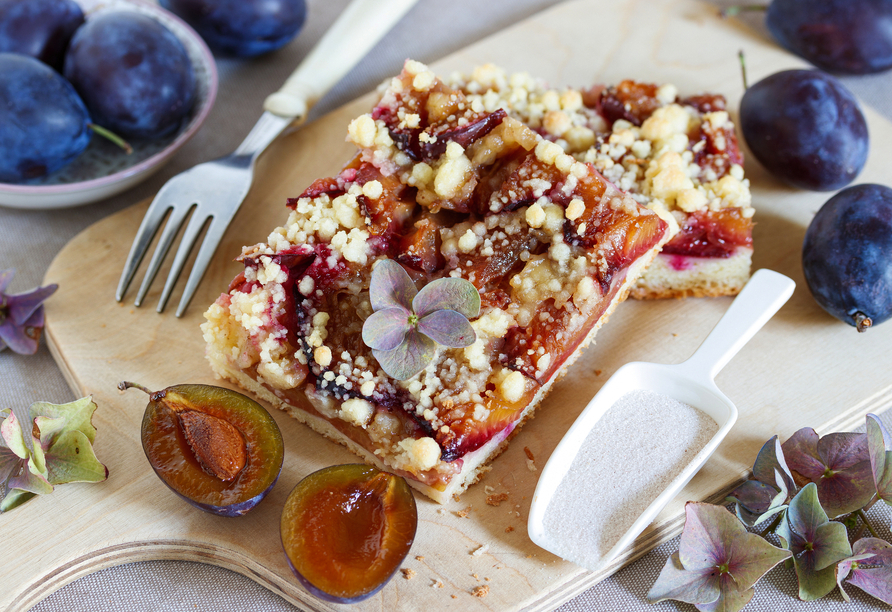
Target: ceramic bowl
(104, 170)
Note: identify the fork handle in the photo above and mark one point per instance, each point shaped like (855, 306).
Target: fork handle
(362, 24)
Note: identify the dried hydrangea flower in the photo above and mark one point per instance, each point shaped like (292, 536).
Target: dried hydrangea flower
(21, 316)
(49, 444)
(407, 324)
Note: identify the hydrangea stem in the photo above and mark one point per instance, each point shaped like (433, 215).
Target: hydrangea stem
(867, 524)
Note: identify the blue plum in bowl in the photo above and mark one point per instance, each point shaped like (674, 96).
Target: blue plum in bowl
(133, 74)
(43, 122)
(242, 28)
(39, 28)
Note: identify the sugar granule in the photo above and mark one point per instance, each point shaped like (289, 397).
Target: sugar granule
(636, 449)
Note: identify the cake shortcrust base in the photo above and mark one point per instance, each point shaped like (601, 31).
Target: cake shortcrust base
(679, 276)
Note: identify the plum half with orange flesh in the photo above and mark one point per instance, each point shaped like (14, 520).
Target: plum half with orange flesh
(218, 449)
(346, 529)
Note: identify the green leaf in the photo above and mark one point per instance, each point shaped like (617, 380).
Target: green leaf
(448, 294)
(71, 459)
(391, 286)
(76, 416)
(409, 358)
(816, 543)
(448, 328)
(386, 329)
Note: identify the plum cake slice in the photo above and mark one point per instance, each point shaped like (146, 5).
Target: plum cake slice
(675, 154)
(445, 190)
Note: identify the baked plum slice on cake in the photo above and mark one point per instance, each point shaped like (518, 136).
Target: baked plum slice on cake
(447, 191)
(678, 155)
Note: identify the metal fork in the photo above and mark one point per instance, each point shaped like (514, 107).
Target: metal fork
(214, 190)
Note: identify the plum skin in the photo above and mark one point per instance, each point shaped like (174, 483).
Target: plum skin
(44, 124)
(806, 128)
(39, 28)
(132, 73)
(242, 28)
(847, 255)
(839, 36)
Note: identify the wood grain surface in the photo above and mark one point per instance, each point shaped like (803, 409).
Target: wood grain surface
(803, 369)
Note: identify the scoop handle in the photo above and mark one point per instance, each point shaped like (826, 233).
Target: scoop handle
(359, 28)
(762, 296)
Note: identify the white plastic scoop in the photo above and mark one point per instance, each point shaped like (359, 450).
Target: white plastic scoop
(690, 382)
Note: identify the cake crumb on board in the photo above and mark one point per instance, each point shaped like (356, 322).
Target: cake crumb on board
(408, 573)
(480, 591)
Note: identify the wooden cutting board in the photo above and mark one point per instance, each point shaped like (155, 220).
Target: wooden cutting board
(803, 369)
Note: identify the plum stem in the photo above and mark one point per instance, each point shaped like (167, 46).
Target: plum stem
(111, 137)
(124, 385)
(742, 59)
(732, 11)
(862, 321)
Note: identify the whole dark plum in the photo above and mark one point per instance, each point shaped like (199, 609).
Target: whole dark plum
(847, 255)
(43, 122)
(39, 28)
(806, 128)
(133, 74)
(242, 28)
(842, 36)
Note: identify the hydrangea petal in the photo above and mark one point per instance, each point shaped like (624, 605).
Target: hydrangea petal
(875, 580)
(731, 598)
(448, 294)
(838, 463)
(386, 329)
(707, 530)
(71, 459)
(6, 278)
(448, 327)
(15, 498)
(689, 586)
(409, 358)
(14, 337)
(878, 441)
(801, 453)
(771, 460)
(23, 305)
(76, 415)
(26, 480)
(750, 557)
(391, 286)
(816, 543)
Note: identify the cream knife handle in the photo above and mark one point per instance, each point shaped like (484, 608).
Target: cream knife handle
(362, 24)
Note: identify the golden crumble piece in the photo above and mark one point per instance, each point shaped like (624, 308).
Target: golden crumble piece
(480, 591)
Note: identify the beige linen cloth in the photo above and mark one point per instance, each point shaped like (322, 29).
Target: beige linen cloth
(30, 239)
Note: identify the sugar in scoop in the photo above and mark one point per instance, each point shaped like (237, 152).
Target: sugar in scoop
(642, 437)
(605, 491)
